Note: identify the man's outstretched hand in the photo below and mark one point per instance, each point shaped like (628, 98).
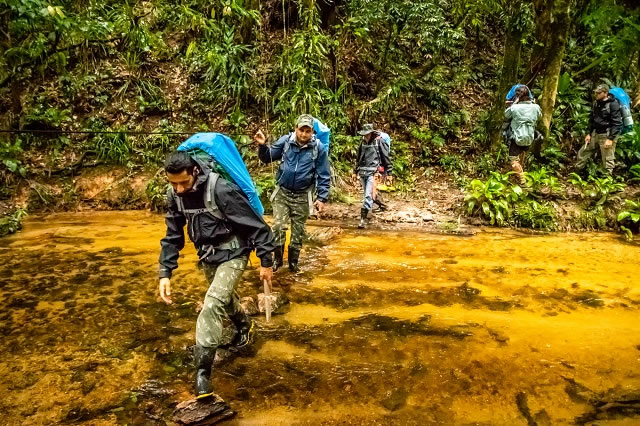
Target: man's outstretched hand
(165, 290)
(266, 274)
(260, 138)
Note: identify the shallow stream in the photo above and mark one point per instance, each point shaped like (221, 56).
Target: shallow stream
(383, 327)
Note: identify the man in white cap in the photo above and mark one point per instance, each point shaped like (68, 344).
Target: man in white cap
(304, 166)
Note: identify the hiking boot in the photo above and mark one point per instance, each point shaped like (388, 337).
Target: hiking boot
(294, 255)
(244, 332)
(363, 218)
(203, 359)
(277, 258)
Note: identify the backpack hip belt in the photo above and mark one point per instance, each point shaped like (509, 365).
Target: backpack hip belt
(232, 243)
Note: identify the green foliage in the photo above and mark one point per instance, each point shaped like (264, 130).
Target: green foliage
(571, 113)
(532, 214)
(265, 185)
(451, 163)
(343, 152)
(492, 199)
(402, 162)
(431, 145)
(630, 217)
(597, 191)
(338, 195)
(593, 218)
(10, 156)
(112, 147)
(485, 164)
(302, 68)
(628, 149)
(541, 183)
(152, 149)
(553, 156)
(224, 65)
(42, 116)
(614, 31)
(156, 191)
(12, 222)
(634, 171)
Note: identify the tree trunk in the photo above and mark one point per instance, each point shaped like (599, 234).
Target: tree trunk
(559, 33)
(509, 76)
(538, 62)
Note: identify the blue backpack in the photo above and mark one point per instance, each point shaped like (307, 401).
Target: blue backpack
(323, 133)
(227, 158)
(386, 139)
(625, 107)
(512, 93)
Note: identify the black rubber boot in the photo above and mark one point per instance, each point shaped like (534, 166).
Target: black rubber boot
(244, 330)
(381, 205)
(294, 256)
(363, 218)
(278, 254)
(203, 358)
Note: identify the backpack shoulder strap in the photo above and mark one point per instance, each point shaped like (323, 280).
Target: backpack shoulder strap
(209, 196)
(287, 144)
(315, 149)
(178, 200)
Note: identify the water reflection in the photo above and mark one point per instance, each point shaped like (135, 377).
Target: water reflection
(399, 328)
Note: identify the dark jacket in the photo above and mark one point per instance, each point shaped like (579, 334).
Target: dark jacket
(381, 156)
(298, 170)
(206, 230)
(606, 117)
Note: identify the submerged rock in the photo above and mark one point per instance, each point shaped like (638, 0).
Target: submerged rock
(322, 236)
(154, 389)
(395, 399)
(249, 305)
(207, 412)
(278, 300)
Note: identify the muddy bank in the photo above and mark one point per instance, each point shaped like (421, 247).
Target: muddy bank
(435, 205)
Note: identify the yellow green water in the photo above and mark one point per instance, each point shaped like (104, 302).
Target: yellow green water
(383, 328)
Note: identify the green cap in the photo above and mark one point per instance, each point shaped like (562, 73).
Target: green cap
(304, 120)
(602, 88)
(366, 129)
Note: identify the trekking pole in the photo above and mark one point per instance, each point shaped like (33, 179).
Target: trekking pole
(267, 300)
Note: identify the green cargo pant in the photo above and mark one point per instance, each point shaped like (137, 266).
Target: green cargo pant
(294, 206)
(220, 299)
(587, 151)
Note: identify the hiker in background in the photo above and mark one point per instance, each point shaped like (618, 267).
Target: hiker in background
(521, 116)
(605, 125)
(224, 232)
(304, 169)
(372, 162)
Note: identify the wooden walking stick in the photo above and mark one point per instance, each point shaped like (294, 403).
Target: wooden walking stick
(267, 300)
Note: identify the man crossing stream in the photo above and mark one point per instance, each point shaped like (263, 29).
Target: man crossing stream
(224, 233)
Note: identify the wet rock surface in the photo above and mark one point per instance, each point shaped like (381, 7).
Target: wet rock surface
(202, 412)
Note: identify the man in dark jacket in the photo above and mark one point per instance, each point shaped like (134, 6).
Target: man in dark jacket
(372, 160)
(304, 166)
(224, 229)
(605, 124)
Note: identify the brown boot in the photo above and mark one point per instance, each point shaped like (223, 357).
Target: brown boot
(517, 169)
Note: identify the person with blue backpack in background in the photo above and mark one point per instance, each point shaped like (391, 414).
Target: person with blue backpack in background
(304, 167)
(224, 228)
(372, 161)
(605, 125)
(521, 118)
